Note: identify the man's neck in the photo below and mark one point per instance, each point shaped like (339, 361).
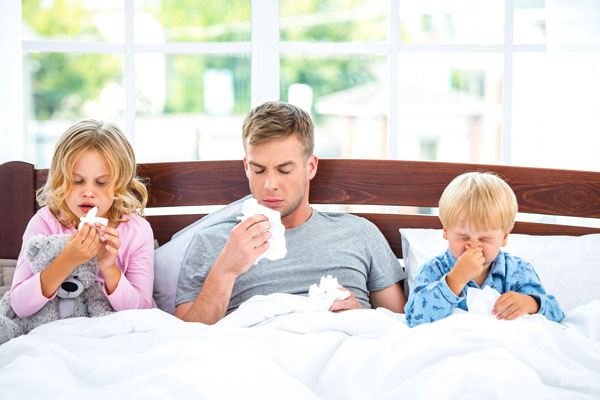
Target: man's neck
(298, 217)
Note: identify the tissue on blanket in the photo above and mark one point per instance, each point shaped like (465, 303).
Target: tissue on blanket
(323, 296)
(481, 301)
(277, 249)
(91, 219)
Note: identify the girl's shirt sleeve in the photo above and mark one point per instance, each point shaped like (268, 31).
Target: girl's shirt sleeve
(136, 262)
(430, 298)
(26, 296)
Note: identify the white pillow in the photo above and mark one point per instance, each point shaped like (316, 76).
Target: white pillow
(567, 265)
(169, 256)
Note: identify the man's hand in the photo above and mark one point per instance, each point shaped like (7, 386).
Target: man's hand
(349, 303)
(468, 266)
(247, 241)
(512, 305)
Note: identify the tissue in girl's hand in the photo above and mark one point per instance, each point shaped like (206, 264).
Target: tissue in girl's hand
(91, 219)
(323, 296)
(277, 249)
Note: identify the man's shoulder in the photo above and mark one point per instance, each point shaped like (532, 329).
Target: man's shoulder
(219, 228)
(343, 218)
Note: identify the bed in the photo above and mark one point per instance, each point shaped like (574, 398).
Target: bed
(279, 346)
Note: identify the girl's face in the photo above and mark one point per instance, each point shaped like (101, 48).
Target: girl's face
(91, 176)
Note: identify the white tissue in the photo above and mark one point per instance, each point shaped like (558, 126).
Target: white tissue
(481, 301)
(277, 249)
(322, 297)
(91, 219)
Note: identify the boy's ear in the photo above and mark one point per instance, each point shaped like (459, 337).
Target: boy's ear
(445, 233)
(505, 238)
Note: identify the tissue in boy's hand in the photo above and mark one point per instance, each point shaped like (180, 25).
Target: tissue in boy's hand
(323, 296)
(91, 219)
(277, 249)
(481, 301)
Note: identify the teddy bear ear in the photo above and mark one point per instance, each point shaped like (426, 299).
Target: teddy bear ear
(41, 250)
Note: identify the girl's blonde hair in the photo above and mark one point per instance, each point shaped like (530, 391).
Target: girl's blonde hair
(480, 198)
(130, 194)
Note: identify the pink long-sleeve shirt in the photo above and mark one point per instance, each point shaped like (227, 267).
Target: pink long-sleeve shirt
(135, 260)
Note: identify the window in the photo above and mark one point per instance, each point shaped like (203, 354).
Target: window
(513, 82)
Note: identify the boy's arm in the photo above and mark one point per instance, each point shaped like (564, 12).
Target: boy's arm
(528, 283)
(430, 298)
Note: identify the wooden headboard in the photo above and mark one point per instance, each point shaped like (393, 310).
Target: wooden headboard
(338, 181)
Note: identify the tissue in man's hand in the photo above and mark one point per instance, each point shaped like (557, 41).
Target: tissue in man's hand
(322, 297)
(481, 301)
(277, 249)
(91, 219)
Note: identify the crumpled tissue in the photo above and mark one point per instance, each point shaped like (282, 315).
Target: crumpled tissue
(323, 295)
(91, 219)
(277, 249)
(481, 301)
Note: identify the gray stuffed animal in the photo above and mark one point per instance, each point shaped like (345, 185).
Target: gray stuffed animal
(78, 296)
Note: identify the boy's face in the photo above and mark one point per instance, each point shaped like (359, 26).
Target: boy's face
(463, 236)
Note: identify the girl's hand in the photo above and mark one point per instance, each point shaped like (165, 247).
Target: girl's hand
(512, 305)
(109, 249)
(81, 247)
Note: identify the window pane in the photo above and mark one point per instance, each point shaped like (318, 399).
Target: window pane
(452, 22)
(450, 107)
(555, 110)
(158, 21)
(190, 107)
(530, 22)
(334, 20)
(60, 89)
(73, 20)
(348, 99)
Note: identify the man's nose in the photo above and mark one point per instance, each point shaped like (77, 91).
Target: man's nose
(271, 182)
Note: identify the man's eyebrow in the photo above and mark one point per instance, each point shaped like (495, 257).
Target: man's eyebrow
(285, 164)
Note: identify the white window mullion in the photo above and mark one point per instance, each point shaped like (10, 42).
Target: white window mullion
(11, 100)
(129, 73)
(507, 84)
(392, 120)
(264, 83)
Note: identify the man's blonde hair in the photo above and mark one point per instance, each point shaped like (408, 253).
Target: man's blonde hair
(480, 198)
(130, 195)
(277, 120)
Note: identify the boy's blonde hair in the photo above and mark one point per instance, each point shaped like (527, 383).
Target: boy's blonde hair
(278, 120)
(130, 195)
(480, 198)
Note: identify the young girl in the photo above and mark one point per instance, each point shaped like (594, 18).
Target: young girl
(93, 166)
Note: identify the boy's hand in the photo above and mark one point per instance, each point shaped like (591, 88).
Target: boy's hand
(468, 266)
(81, 247)
(512, 305)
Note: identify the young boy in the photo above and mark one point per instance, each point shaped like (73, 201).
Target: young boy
(477, 211)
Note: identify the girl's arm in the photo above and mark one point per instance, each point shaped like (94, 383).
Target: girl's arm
(134, 288)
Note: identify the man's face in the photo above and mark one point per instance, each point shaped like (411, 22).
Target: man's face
(278, 174)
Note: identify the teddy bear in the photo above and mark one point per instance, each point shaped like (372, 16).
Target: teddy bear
(78, 296)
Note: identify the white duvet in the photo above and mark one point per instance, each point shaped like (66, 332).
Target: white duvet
(276, 347)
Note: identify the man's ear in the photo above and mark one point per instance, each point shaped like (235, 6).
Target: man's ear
(246, 170)
(312, 166)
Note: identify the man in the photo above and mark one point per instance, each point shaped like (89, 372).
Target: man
(218, 271)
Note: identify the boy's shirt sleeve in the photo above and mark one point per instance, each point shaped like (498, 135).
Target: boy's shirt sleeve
(430, 298)
(523, 279)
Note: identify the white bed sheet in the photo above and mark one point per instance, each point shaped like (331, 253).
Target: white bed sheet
(277, 347)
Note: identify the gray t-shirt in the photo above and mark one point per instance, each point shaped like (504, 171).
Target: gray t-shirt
(344, 246)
